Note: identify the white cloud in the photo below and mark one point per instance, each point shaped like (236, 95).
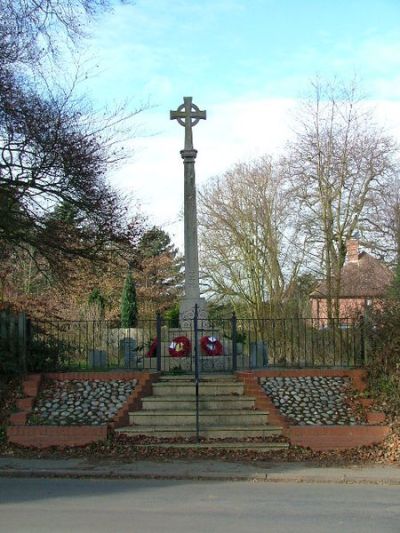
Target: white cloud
(234, 131)
(387, 113)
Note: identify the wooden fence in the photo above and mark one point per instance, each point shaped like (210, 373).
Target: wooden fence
(14, 340)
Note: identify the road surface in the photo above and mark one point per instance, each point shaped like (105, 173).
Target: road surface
(150, 506)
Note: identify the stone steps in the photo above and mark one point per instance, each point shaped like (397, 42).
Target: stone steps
(238, 417)
(205, 388)
(187, 378)
(224, 412)
(245, 446)
(212, 432)
(174, 403)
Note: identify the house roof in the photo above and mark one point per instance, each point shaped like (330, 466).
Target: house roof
(366, 278)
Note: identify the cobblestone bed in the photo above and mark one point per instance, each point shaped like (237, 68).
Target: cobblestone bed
(73, 402)
(312, 400)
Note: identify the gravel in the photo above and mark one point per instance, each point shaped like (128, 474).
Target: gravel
(74, 402)
(312, 400)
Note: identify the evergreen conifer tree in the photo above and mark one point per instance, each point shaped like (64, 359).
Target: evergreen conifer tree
(128, 303)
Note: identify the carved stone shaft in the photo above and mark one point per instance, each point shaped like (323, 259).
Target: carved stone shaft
(192, 289)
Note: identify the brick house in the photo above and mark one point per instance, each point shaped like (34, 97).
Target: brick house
(364, 280)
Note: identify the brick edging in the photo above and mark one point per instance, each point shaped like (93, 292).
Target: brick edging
(323, 438)
(357, 375)
(253, 388)
(18, 432)
(30, 388)
(318, 438)
(61, 436)
(134, 400)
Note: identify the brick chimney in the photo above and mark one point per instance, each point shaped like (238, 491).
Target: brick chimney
(352, 251)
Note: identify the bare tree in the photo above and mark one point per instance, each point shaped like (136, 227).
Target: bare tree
(55, 150)
(249, 255)
(381, 221)
(51, 155)
(337, 162)
(32, 29)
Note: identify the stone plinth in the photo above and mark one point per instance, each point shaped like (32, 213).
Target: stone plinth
(187, 310)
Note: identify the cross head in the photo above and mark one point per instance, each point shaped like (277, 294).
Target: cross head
(188, 115)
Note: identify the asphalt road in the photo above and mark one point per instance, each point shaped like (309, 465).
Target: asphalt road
(150, 506)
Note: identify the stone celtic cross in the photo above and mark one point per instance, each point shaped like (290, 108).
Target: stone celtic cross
(188, 115)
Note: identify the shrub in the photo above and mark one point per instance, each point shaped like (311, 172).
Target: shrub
(47, 354)
(9, 363)
(172, 316)
(383, 335)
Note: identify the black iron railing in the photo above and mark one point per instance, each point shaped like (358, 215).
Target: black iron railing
(222, 344)
(14, 342)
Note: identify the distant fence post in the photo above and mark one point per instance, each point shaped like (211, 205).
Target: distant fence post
(3, 326)
(158, 326)
(234, 341)
(28, 342)
(363, 340)
(22, 340)
(4, 338)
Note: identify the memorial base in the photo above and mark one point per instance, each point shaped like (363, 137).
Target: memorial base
(217, 363)
(187, 311)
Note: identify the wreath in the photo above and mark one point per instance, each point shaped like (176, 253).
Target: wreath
(153, 349)
(211, 346)
(180, 347)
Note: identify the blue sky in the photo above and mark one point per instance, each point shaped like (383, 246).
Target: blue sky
(247, 63)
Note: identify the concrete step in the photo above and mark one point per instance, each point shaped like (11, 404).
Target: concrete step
(227, 417)
(217, 432)
(203, 378)
(238, 445)
(205, 388)
(167, 403)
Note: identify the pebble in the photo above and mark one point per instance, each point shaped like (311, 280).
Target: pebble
(74, 402)
(312, 400)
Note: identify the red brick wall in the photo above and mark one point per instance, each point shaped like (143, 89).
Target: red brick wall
(318, 438)
(31, 384)
(45, 436)
(315, 437)
(143, 388)
(322, 438)
(253, 388)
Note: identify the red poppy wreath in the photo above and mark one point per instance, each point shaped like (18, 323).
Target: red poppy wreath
(153, 349)
(179, 347)
(211, 346)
